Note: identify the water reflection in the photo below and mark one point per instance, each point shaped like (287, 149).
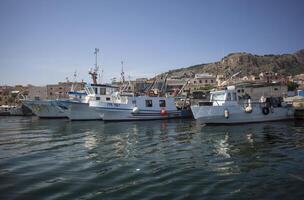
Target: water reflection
(184, 158)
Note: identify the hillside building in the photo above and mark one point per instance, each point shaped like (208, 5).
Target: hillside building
(60, 90)
(37, 92)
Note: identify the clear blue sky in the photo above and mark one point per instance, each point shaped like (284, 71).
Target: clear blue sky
(44, 41)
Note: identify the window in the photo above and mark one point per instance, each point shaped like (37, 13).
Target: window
(96, 90)
(200, 81)
(238, 91)
(51, 93)
(218, 97)
(211, 81)
(162, 103)
(97, 98)
(148, 103)
(206, 81)
(102, 91)
(108, 98)
(194, 82)
(234, 96)
(275, 89)
(228, 97)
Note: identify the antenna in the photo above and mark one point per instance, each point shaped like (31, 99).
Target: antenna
(75, 76)
(95, 52)
(122, 73)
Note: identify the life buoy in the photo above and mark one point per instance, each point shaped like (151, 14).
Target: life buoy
(265, 110)
(163, 112)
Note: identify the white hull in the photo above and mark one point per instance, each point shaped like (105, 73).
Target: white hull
(135, 108)
(236, 114)
(128, 115)
(82, 111)
(45, 108)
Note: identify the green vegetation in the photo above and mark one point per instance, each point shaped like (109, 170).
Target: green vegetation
(292, 86)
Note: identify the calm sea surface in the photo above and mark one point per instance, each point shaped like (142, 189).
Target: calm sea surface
(173, 159)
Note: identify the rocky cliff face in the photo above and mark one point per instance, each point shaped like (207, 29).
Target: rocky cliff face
(248, 64)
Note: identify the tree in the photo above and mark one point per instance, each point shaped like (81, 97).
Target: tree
(292, 86)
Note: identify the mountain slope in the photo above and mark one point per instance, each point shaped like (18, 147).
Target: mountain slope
(248, 64)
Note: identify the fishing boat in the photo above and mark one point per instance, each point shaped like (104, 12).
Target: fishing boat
(53, 108)
(225, 107)
(80, 110)
(95, 91)
(123, 108)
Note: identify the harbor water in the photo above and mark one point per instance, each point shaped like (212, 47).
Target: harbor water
(162, 159)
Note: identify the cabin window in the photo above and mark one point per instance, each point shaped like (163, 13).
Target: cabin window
(108, 99)
(275, 89)
(228, 96)
(96, 90)
(162, 103)
(238, 91)
(134, 102)
(218, 97)
(234, 96)
(97, 98)
(102, 91)
(149, 103)
(243, 90)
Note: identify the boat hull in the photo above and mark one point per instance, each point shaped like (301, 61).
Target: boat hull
(128, 115)
(82, 111)
(236, 114)
(45, 108)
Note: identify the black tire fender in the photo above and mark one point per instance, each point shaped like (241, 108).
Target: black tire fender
(265, 110)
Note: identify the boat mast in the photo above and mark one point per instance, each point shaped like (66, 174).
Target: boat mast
(92, 72)
(122, 73)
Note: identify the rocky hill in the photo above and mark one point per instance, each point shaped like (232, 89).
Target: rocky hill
(248, 64)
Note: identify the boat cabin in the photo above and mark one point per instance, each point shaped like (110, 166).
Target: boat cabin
(224, 97)
(102, 92)
(77, 95)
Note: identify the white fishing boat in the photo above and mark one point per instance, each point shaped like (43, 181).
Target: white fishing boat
(225, 107)
(122, 108)
(81, 110)
(53, 108)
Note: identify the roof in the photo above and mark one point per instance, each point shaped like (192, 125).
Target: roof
(102, 85)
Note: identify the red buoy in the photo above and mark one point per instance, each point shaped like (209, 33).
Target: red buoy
(163, 112)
